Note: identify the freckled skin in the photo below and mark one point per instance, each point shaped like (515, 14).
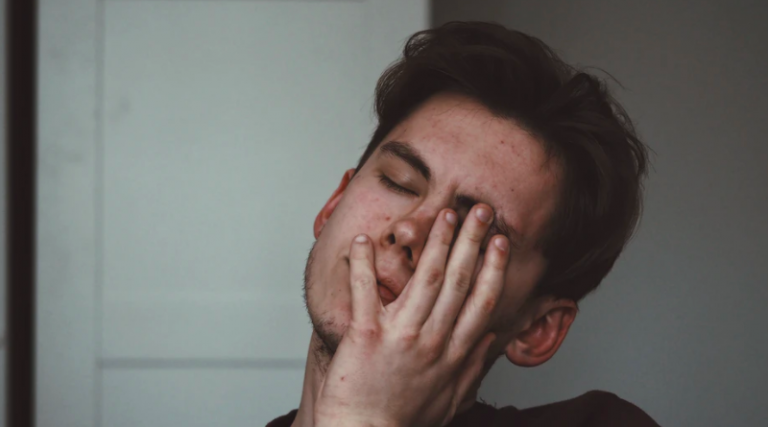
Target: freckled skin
(469, 151)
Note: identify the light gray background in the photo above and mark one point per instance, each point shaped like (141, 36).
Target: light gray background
(184, 148)
(679, 326)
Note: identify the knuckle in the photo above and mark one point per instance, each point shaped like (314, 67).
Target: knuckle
(456, 355)
(432, 349)
(432, 355)
(486, 306)
(366, 332)
(407, 337)
(461, 279)
(434, 277)
(483, 304)
(362, 281)
(475, 235)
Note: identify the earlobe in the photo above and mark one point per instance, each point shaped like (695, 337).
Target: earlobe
(546, 331)
(333, 201)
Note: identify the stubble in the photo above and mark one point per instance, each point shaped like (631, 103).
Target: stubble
(325, 329)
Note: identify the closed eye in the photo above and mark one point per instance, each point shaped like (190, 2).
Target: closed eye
(395, 187)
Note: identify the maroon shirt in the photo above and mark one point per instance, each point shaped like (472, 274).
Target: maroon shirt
(592, 409)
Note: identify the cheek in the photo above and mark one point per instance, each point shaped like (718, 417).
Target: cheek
(369, 211)
(358, 212)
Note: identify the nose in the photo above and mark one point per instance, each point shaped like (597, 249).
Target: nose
(408, 236)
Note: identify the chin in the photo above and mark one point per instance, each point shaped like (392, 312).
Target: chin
(329, 326)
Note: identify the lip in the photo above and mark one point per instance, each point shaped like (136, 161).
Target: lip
(386, 287)
(386, 294)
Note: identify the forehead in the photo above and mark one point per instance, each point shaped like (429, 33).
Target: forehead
(473, 152)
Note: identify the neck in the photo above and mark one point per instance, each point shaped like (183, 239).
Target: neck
(314, 374)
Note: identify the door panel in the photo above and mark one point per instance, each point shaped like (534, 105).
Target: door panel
(175, 222)
(227, 126)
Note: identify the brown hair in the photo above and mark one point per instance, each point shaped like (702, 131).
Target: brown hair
(518, 77)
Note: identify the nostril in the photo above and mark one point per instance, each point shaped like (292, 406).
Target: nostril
(391, 239)
(409, 253)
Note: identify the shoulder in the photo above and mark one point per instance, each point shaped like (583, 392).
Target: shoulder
(592, 409)
(284, 421)
(612, 408)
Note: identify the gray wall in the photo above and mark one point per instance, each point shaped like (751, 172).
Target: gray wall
(679, 326)
(184, 148)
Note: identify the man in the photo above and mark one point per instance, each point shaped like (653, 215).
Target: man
(498, 190)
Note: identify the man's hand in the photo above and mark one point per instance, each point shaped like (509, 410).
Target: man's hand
(412, 362)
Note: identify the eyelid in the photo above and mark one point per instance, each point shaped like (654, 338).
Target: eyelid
(392, 185)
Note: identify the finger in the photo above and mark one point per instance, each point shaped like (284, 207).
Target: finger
(468, 380)
(460, 268)
(477, 311)
(366, 303)
(420, 294)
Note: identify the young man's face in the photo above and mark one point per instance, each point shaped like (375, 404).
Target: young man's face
(468, 153)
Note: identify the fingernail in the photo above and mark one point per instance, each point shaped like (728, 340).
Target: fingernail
(483, 214)
(501, 243)
(361, 238)
(450, 217)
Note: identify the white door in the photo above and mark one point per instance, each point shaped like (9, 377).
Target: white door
(184, 150)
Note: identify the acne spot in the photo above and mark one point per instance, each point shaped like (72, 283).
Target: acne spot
(342, 378)
(387, 218)
(501, 142)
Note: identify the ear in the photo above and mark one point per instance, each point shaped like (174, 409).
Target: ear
(330, 205)
(546, 329)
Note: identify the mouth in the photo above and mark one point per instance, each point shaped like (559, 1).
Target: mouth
(385, 288)
(386, 294)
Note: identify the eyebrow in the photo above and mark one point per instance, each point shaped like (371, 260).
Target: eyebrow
(408, 154)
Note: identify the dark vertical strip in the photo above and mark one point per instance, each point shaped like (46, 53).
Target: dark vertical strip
(21, 83)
